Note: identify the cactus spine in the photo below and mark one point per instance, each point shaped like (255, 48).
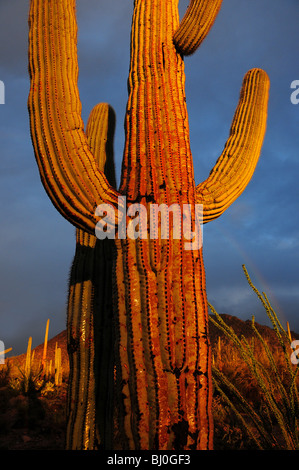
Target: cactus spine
(161, 354)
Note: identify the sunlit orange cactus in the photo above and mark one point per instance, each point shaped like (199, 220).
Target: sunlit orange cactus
(161, 354)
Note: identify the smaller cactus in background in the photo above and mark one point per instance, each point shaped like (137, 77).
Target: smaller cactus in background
(28, 365)
(44, 359)
(58, 369)
(2, 353)
(289, 332)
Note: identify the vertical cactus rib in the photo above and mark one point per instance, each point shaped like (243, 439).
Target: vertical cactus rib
(195, 25)
(89, 323)
(67, 167)
(237, 163)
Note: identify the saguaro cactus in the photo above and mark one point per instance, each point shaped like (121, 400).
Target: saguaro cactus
(90, 293)
(161, 355)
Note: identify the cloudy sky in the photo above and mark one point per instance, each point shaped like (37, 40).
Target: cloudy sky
(261, 229)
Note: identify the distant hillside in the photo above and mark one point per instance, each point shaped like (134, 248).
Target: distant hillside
(61, 340)
(239, 326)
(244, 328)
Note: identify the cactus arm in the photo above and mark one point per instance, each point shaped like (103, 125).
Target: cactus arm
(67, 167)
(100, 134)
(89, 320)
(195, 25)
(234, 169)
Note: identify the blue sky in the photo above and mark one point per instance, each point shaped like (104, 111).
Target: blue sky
(260, 230)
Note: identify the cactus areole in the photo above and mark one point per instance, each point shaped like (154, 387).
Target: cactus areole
(150, 371)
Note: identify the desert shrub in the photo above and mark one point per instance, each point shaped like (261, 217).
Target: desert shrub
(4, 374)
(259, 383)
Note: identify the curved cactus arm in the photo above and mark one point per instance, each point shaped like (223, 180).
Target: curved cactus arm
(196, 24)
(67, 167)
(100, 134)
(89, 315)
(235, 167)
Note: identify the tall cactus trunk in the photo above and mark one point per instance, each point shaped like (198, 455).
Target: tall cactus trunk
(90, 343)
(156, 358)
(89, 316)
(164, 357)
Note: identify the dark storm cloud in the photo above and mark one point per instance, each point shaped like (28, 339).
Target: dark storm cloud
(13, 40)
(261, 229)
